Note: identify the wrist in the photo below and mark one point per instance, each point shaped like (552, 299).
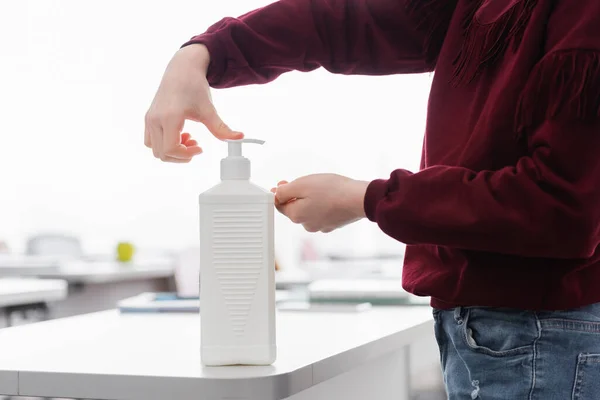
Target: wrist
(197, 53)
(358, 190)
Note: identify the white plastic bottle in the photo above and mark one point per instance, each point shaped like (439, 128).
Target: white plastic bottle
(237, 267)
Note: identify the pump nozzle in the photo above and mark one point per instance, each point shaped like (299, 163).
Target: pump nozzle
(235, 166)
(235, 146)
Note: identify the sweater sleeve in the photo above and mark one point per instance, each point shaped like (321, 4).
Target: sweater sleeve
(548, 204)
(369, 37)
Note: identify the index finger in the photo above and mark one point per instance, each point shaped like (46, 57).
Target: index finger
(218, 128)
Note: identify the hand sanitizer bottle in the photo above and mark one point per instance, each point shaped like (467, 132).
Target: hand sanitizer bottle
(237, 267)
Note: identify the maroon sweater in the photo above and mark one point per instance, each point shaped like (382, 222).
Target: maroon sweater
(505, 210)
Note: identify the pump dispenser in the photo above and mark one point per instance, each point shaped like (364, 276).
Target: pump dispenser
(237, 267)
(236, 166)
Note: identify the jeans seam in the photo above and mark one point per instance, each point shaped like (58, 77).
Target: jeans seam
(578, 378)
(572, 325)
(534, 357)
(462, 359)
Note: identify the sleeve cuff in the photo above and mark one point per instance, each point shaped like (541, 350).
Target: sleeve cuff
(376, 191)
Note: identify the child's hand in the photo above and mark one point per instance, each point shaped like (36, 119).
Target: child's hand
(183, 94)
(321, 202)
(274, 190)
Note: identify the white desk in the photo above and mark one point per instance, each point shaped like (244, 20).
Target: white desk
(16, 292)
(9, 261)
(145, 357)
(93, 285)
(28, 295)
(84, 271)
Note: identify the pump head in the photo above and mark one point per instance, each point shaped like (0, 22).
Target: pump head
(236, 166)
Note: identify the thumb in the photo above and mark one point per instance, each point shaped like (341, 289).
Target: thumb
(218, 128)
(288, 191)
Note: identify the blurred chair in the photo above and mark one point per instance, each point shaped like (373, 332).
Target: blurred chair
(54, 245)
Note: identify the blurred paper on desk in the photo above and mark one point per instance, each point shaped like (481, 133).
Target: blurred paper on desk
(187, 272)
(374, 291)
(159, 303)
(174, 303)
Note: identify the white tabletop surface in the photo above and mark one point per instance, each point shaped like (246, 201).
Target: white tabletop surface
(82, 271)
(14, 292)
(111, 356)
(10, 260)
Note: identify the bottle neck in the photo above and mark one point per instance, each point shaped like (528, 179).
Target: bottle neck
(235, 168)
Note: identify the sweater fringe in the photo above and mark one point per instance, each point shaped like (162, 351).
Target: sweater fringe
(563, 85)
(432, 18)
(485, 44)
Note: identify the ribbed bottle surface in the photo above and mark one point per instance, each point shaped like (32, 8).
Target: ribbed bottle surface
(238, 257)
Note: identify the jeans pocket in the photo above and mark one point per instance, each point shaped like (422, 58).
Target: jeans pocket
(499, 333)
(587, 377)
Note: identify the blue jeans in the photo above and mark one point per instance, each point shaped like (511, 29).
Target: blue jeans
(505, 354)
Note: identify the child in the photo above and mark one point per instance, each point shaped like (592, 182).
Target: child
(502, 223)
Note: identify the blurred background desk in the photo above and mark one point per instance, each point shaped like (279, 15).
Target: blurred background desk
(23, 296)
(92, 285)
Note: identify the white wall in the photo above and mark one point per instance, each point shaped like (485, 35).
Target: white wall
(76, 77)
